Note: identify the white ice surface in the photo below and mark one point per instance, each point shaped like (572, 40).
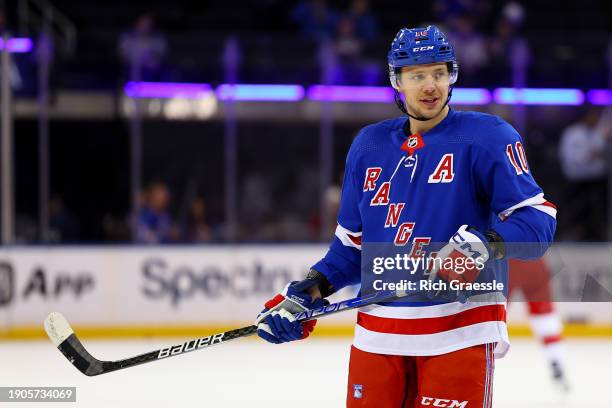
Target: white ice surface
(305, 374)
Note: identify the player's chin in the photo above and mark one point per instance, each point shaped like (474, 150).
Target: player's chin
(427, 114)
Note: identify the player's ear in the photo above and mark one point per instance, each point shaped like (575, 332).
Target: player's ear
(395, 79)
(399, 85)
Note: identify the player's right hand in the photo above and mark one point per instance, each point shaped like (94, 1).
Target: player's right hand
(466, 243)
(276, 324)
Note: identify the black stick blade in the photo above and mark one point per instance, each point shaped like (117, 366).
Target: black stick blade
(62, 335)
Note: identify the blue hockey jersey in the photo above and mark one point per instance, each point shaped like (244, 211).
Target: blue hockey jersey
(413, 190)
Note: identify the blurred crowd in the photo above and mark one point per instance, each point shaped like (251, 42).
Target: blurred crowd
(349, 41)
(326, 41)
(154, 224)
(283, 204)
(332, 42)
(585, 149)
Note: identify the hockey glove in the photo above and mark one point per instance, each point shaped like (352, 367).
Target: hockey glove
(461, 260)
(276, 324)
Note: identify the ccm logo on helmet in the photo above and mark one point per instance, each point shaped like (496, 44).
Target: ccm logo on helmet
(428, 48)
(439, 402)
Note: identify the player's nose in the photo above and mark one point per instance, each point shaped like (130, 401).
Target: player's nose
(429, 88)
(429, 85)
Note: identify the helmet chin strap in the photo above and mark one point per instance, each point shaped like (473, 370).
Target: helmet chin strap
(402, 107)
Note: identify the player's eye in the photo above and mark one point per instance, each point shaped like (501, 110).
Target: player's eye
(439, 76)
(417, 77)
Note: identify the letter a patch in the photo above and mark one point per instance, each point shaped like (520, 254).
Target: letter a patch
(444, 172)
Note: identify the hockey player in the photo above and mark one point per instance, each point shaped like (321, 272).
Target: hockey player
(437, 175)
(532, 278)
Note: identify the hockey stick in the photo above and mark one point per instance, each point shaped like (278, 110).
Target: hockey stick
(62, 335)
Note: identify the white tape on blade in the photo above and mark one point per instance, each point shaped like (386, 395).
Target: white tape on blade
(57, 328)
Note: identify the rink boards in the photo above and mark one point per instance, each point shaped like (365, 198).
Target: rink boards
(185, 290)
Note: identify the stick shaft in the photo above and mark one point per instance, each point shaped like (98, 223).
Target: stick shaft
(74, 350)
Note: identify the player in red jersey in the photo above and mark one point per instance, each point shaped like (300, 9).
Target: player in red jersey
(532, 278)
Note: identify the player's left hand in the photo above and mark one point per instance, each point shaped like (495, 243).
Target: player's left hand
(276, 324)
(462, 258)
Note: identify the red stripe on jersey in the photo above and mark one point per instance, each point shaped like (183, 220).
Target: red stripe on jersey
(549, 204)
(432, 325)
(354, 239)
(551, 339)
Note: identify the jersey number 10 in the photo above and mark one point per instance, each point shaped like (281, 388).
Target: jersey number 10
(522, 158)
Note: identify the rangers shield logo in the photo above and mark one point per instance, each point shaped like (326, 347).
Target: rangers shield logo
(421, 35)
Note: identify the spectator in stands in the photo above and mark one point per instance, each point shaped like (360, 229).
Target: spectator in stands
(445, 10)
(583, 152)
(364, 21)
(316, 19)
(357, 28)
(154, 224)
(196, 228)
(506, 43)
(348, 53)
(470, 46)
(143, 49)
